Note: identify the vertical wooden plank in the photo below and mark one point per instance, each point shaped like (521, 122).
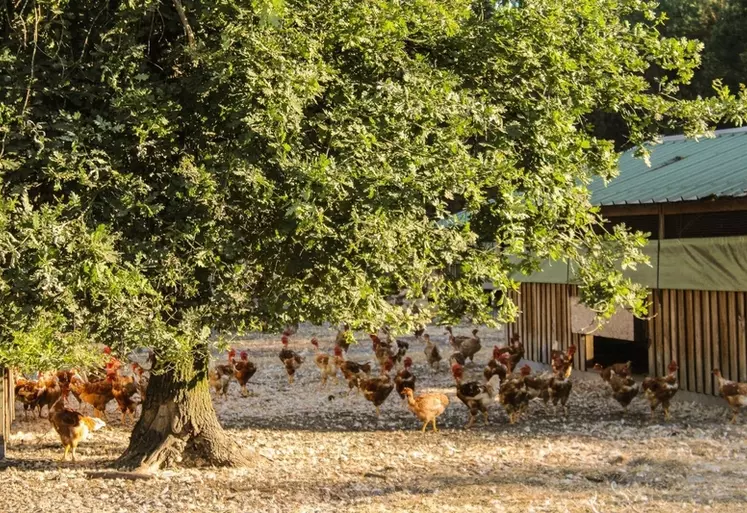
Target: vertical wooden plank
(589, 348)
(723, 333)
(682, 341)
(553, 316)
(3, 413)
(733, 330)
(666, 334)
(741, 337)
(673, 340)
(715, 339)
(697, 340)
(536, 334)
(655, 369)
(542, 322)
(652, 331)
(690, 339)
(705, 305)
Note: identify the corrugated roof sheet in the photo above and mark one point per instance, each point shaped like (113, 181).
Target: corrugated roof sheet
(681, 170)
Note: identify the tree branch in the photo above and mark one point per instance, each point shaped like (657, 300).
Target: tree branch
(185, 22)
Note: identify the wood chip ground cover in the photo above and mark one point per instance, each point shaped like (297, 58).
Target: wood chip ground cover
(324, 451)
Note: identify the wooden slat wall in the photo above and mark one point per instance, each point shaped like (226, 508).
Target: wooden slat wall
(544, 317)
(702, 330)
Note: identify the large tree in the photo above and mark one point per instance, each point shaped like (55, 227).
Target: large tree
(171, 166)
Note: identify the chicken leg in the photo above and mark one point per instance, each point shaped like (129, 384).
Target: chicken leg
(435, 429)
(424, 426)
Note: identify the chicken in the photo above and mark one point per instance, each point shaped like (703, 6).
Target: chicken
(376, 390)
(291, 360)
(560, 385)
(561, 360)
(661, 390)
(471, 346)
(72, 427)
(426, 407)
(26, 393)
(98, 393)
(325, 363)
(537, 386)
(382, 351)
(402, 348)
(405, 379)
(48, 391)
(432, 354)
(455, 342)
(513, 393)
(141, 380)
(243, 370)
(220, 376)
(734, 393)
(477, 397)
(63, 378)
(344, 337)
(352, 372)
(419, 331)
(621, 369)
(123, 390)
(497, 366)
(515, 351)
(457, 357)
(624, 388)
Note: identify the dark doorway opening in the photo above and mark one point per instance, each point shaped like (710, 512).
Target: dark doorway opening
(612, 350)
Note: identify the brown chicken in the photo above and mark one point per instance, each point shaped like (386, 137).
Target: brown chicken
(471, 346)
(426, 407)
(292, 361)
(561, 360)
(376, 390)
(220, 376)
(497, 366)
(560, 385)
(243, 370)
(432, 354)
(405, 379)
(325, 363)
(72, 426)
(124, 389)
(352, 371)
(513, 393)
(621, 369)
(734, 393)
(477, 397)
(141, 380)
(624, 388)
(382, 351)
(98, 393)
(48, 391)
(661, 390)
(26, 394)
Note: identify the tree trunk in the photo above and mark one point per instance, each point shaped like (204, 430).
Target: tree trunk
(178, 422)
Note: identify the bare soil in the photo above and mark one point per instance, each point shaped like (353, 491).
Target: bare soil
(320, 450)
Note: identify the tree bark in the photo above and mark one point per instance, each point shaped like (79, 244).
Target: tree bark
(177, 423)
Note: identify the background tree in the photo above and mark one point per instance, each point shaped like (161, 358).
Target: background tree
(172, 166)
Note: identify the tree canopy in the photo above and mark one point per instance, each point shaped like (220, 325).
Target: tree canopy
(171, 166)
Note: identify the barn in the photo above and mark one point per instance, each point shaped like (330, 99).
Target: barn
(693, 201)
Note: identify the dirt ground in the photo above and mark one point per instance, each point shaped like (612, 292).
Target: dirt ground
(322, 451)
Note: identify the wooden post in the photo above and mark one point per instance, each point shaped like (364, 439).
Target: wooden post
(589, 346)
(3, 413)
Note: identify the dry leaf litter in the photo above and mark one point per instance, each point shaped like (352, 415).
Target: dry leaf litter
(322, 450)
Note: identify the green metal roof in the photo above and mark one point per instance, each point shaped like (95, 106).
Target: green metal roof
(681, 170)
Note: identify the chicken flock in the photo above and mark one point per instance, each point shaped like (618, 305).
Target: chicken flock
(502, 380)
